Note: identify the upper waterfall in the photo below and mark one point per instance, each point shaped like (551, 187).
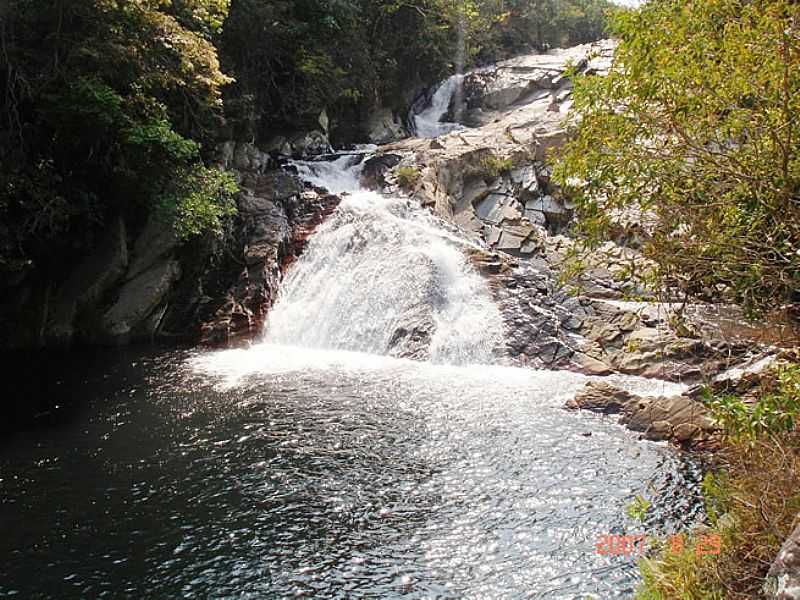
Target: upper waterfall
(383, 276)
(428, 123)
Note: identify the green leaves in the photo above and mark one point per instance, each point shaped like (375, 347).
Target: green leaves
(158, 140)
(199, 201)
(696, 128)
(105, 106)
(773, 413)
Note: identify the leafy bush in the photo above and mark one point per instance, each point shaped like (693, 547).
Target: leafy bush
(407, 177)
(638, 508)
(773, 413)
(751, 502)
(696, 127)
(104, 110)
(201, 201)
(495, 166)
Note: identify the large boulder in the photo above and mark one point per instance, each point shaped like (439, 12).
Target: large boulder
(138, 299)
(85, 287)
(601, 397)
(157, 240)
(384, 126)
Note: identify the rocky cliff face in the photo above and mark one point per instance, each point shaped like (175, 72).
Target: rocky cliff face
(144, 285)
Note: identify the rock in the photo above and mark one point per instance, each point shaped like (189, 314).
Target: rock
(158, 238)
(526, 178)
(311, 143)
(659, 431)
(276, 217)
(246, 157)
(509, 241)
(685, 432)
(375, 169)
(591, 366)
(383, 127)
(678, 419)
(87, 284)
(138, 298)
(602, 397)
(324, 121)
(783, 579)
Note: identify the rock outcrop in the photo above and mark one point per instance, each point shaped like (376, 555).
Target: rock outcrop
(783, 580)
(678, 419)
(491, 178)
(143, 283)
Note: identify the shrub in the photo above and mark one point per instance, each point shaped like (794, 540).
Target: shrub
(495, 166)
(407, 177)
(752, 502)
(696, 127)
(773, 413)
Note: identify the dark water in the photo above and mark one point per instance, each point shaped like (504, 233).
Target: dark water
(275, 473)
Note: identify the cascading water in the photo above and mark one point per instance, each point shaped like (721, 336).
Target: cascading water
(383, 276)
(428, 123)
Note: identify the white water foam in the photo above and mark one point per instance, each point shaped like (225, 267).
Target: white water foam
(428, 123)
(379, 271)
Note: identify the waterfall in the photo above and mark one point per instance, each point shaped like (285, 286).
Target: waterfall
(384, 276)
(428, 123)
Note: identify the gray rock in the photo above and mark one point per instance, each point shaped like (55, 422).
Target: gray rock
(247, 157)
(496, 208)
(324, 121)
(375, 169)
(311, 143)
(525, 178)
(88, 283)
(510, 241)
(138, 298)
(783, 579)
(383, 127)
(158, 238)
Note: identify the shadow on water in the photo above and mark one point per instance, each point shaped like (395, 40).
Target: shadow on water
(52, 388)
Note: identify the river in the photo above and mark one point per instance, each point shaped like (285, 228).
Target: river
(317, 463)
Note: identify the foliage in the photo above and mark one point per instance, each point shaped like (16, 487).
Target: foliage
(298, 57)
(752, 503)
(407, 177)
(495, 166)
(681, 574)
(696, 131)
(638, 508)
(104, 109)
(550, 23)
(774, 412)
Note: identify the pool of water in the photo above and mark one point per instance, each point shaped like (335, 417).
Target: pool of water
(278, 472)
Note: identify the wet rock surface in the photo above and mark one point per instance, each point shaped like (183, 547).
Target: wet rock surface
(678, 419)
(277, 214)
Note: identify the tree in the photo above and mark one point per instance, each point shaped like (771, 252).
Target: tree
(104, 107)
(697, 128)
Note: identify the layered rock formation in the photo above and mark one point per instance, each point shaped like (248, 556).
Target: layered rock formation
(679, 419)
(491, 178)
